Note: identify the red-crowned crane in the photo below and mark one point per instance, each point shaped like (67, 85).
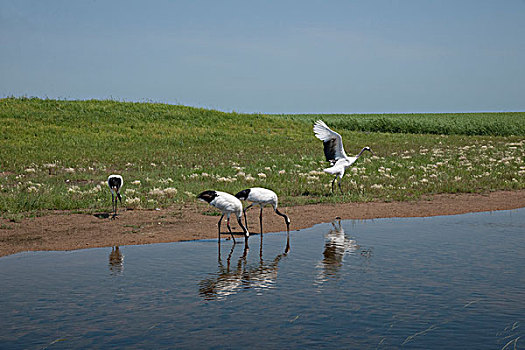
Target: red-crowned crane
(227, 204)
(115, 183)
(334, 152)
(262, 197)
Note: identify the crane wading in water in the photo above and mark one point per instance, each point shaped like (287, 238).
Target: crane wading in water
(261, 196)
(227, 204)
(334, 152)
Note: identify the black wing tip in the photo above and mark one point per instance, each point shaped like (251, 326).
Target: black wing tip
(329, 149)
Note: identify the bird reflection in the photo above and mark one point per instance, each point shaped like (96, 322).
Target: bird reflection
(233, 277)
(336, 246)
(116, 261)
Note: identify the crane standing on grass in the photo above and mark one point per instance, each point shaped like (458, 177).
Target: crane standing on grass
(334, 152)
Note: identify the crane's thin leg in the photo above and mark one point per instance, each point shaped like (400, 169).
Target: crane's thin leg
(219, 252)
(339, 183)
(113, 207)
(116, 205)
(260, 220)
(229, 228)
(261, 250)
(333, 182)
(244, 211)
(120, 200)
(219, 225)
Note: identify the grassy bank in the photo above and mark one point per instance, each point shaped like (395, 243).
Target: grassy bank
(58, 154)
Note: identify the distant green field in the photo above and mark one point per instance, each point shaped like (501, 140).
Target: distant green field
(487, 124)
(58, 154)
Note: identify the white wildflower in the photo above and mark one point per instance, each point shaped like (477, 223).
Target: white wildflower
(133, 201)
(69, 170)
(170, 191)
(377, 186)
(136, 182)
(73, 189)
(32, 189)
(281, 172)
(156, 192)
(130, 191)
(165, 181)
(30, 170)
(262, 175)
(95, 189)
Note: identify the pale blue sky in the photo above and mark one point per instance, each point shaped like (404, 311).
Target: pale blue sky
(270, 56)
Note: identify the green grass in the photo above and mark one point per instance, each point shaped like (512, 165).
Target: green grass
(487, 124)
(58, 154)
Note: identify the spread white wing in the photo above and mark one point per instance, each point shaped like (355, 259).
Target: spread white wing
(332, 141)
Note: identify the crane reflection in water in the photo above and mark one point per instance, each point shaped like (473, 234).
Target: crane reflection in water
(233, 277)
(337, 245)
(116, 261)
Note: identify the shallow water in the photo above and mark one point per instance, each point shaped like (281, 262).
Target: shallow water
(450, 282)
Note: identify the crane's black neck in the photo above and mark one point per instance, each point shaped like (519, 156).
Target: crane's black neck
(364, 149)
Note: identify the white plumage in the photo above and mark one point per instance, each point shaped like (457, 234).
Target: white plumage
(262, 197)
(115, 183)
(334, 151)
(227, 204)
(337, 246)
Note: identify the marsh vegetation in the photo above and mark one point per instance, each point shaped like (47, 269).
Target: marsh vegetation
(57, 154)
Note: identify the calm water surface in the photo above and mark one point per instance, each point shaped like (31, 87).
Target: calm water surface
(450, 282)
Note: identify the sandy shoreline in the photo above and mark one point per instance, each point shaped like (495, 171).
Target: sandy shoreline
(66, 231)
